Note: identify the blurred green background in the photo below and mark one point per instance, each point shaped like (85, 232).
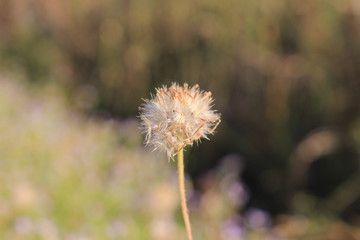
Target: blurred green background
(284, 163)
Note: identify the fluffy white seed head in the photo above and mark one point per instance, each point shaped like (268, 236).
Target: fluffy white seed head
(176, 117)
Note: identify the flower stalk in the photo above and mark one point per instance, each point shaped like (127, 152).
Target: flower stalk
(180, 159)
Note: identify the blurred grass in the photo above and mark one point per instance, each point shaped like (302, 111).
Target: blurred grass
(267, 50)
(65, 177)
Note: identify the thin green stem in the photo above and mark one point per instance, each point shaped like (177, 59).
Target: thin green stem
(180, 158)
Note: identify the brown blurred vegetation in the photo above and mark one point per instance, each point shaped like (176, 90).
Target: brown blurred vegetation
(285, 75)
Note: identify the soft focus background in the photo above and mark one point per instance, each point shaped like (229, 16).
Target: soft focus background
(284, 163)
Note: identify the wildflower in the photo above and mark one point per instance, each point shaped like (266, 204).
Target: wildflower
(176, 117)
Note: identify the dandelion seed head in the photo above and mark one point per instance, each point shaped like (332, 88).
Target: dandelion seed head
(177, 116)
